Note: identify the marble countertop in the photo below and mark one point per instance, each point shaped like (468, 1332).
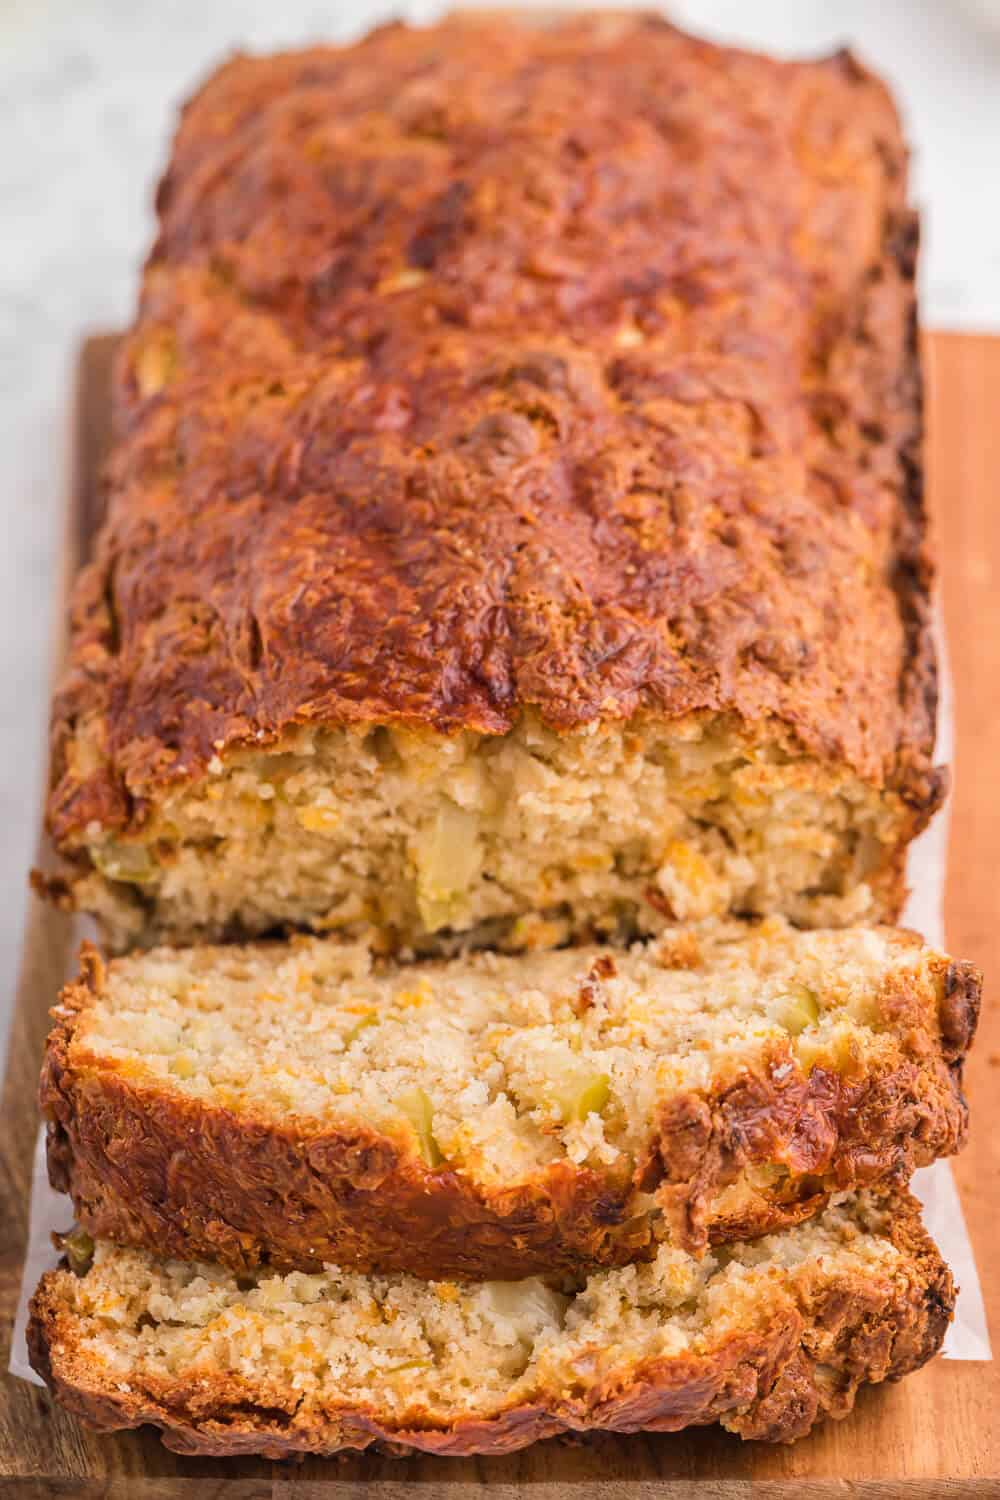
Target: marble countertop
(88, 90)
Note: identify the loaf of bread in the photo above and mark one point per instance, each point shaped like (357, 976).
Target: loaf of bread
(499, 1116)
(513, 586)
(514, 524)
(766, 1338)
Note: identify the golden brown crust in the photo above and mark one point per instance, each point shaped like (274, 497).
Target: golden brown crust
(456, 391)
(958, 1013)
(805, 1363)
(150, 1166)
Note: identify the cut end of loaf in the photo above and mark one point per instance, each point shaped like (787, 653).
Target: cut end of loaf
(525, 839)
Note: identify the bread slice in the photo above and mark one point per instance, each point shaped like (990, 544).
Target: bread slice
(494, 1115)
(514, 521)
(766, 1337)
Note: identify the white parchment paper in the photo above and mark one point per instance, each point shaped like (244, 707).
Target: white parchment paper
(967, 1338)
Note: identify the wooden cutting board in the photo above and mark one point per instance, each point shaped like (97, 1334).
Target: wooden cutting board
(936, 1433)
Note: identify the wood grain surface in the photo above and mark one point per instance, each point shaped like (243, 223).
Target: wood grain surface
(936, 1434)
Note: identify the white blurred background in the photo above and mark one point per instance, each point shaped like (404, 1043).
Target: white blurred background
(88, 90)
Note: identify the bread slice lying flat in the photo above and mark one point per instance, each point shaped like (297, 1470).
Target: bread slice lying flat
(766, 1338)
(299, 1103)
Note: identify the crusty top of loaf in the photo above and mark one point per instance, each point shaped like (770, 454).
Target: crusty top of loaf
(485, 367)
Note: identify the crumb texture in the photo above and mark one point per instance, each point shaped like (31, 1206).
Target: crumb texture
(766, 1337)
(496, 1115)
(524, 839)
(461, 401)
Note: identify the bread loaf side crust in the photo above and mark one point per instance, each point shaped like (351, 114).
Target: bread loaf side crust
(387, 452)
(772, 1384)
(150, 1166)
